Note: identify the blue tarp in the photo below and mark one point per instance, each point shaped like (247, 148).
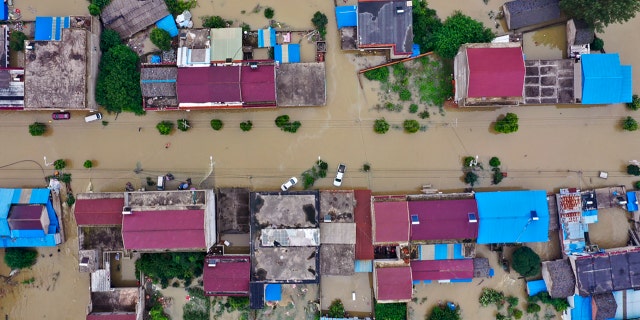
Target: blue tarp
(4, 13)
(632, 201)
(266, 38)
(604, 79)
(581, 308)
(347, 16)
(363, 266)
(273, 292)
(416, 50)
(287, 53)
(169, 25)
(506, 216)
(50, 28)
(536, 286)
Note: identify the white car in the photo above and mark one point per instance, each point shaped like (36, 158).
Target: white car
(290, 183)
(339, 175)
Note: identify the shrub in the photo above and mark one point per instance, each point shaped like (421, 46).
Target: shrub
(512, 301)
(157, 313)
(494, 162)
(533, 308)
(109, 39)
(216, 124)
(470, 178)
(70, 199)
(381, 126)
(497, 176)
(468, 161)
(405, 95)
(282, 120)
(307, 180)
(444, 313)
(105, 123)
(413, 108)
(246, 126)
(213, 22)
(16, 40)
(629, 124)
(632, 169)
(560, 304)
(20, 258)
(164, 127)
(183, 124)
(59, 164)
(94, 10)
(491, 296)
(65, 177)
(423, 114)
(88, 164)
(635, 103)
(411, 126)
(517, 314)
(526, 262)
(507, 124)
(391, 311)
(37, 129)
(336, 309)
(597, 44)
(320, 21)
(366, 167)
(269, 13)
(457, 30)
(637, 185)
(291, 127)
(379, 74)
(176, 7)
(161, 38)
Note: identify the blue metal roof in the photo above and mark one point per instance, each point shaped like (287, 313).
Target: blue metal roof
(273, 292)
(604, 80)
(632, 201)
(287, 53)
(536, 286)
(4, 12)
(167, 24)
(581, 308)
(506, 216)
(50, 28)
(27, 238)
(363, 266)
(347, 16)
(266, 38)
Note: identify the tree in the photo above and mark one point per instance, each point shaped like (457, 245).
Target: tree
(391, 311)
(157, 313)
(533, 308)
(216, 124)
(118, 86)
(166, 266)
(633, 170)
(161, 38)
(59, 164)
(336, 309)
(405, 95)
(16, 40)
(494, 162)
(411, 126)
(269, 12)
(37, 129)
(597, 44)
(470, 178)
(109, 39)
(507, 124)
(20, 258)
(381, 126)
(88, 164)
(183, 125)
(629, 124)
(320, 21)
(491, 296)
(457, 30)
(246, 125)
(526, 262)
(497, 175)
(213, 22)
(282, 120)
(635, 103)
(444, 313)
(379, 74)
(94, 10)
(425, 24)
(176, 7)
(164, 127)
(70, 199)
(601, 13)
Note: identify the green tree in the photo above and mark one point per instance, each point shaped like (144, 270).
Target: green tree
(635, 103)
(336, 309)
(176, 7)
(109, 39)
(320, 21)
(637, 185)
(94, 10)
(282, 120)
(413, 108)
(161, 38)
(425, 25)
(269, 13)
(381, 126)
(391, 311)
(246, 125)
(601, 13)
(444, 313)
(629, 124)
(213, 22)
(533, 308)
(70, 199)
(457, 30)
(491, 296)
(118, 86)
(217, 124)
(183, 124)
(526, 262)
(163, 267)
(88, 164)
(59, 164)
(157, 313)
(16, 40)
(633, 170)
(497, 175)
(411, 126)
(597, 44)
(379, 74)
(405, 95)
(507, 124)
(37, 129)
(470, 178)
(164, 127)
(494, 162)
(20, 258)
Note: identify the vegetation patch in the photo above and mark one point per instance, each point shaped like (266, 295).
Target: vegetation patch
(217, 124)
(118, 85)
(559, 304)
(444, 312)
(214, 22)
(20, 258)
(507, 124)
(629, 124)
(269, 13)
(88, 164)
(246, 125)
(37, 129)
(336, 309)
(285, 124)
(457, 30)
(635, 103)
(425, 25)
(183, 125)
(16, 40)
(161, 39)
(320, 21)
(162, 267)
(380, 126)
(198, 307)
(165, 127)
(411, 126)
(526, 262)
(391, 311)
(319, 170)
(177, 7)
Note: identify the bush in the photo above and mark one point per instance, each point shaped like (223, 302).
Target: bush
(507, 124)
(470, 178)
(494, 162)
(118, 86)
(468, 161)
(269, 13)
(391, 311)
(632, 169)
(213, 22)
(59, 164)
(379, 74)
(526, 262)
(105, 123)
(381, 126)
(70, 199)
(20, 258)
(94, 10)
(109, 39)
(37, 129)
(597, 44)
(366, 167)
(533, 308)
(282, 120)
(491, 296)
(176, 7)
(246, 126)
(629, 124)
(517, 314)
(157, 313)
(424, 114)
(166, 266)
(320, 21)
(336, 309)
(16, 40)
(183, 124)
(164, 127)
(457, 30)
(161, 38)
(413, 108)
(405, 95)
(497, 176)
(637, 185)
(291, 127)
(444, 313)
(635, 103)
(411, 126)
(88, 164)
(65, 177)
(217, 124)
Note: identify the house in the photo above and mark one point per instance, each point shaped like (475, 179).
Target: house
(390, 217)
(4, 46)
(287, 53)
(392, 284)
(604, 79)
(489, 74)
(443, 220)
(364, 238)
(226, 275)
(226, 44)
(579, 32)
(99, 209)
(50, 28)
(531, 13)
(194, 49)
(158, 84)
(28, 218)
(513, 216)
(387, 25)
(12, 88)
(130, 17)
(292, 92)
(559, 278)
(442, 270)
(616, 269)
(604, 306)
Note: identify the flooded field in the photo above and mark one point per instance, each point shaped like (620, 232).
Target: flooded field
(551, 146)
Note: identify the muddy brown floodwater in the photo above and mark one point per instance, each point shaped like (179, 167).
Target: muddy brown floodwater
(551, 146)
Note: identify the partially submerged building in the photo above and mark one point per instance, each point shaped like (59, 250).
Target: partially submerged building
(393, 284)
(559, 278)
(443, 220)
(158, 84)
(604, 80)
(130, 17)
(613, 270)
(226, 275)
(292, 92)
(386, 25)
(28, 218)
(523, 14)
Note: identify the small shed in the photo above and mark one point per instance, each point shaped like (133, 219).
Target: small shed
(605, 80)
(4, 12)
(168, 24)
(287, 53)
(266, 38)
(347, 16)
(604, 306)
(50, 28)
(130, 17)
(526, 13)
(579, 32)
(273, 292)
(536, 286)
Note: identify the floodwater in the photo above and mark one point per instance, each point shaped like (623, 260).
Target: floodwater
(551, 146)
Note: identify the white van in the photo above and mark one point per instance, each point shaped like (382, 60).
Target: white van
(161, 181)
(93, 117)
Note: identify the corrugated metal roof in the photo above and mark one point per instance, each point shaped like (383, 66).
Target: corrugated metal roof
(347, 16)
(287, 53)
(256, 295)
(168, 24)
(364, 241)
(129, 17)
(158, 230)
(258, 85)
(99, 211)
(386, 23)
(226, 43)
(442, 269)
(393, 284)
(229, 277)
(391, 222)
(604, 79)
(495, 72)
(581, 308)
(524, 13)
(444, 219)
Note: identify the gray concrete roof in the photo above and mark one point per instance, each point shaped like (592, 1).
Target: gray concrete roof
(286, 210)
(301, 84)
(338, 233)
(338, 204)
(150, 77)
(380, 23)
(337, 259)
(116, 300)
(285, 264)
(101, 238)
(233, 210)
(348, 37)
(548, 81)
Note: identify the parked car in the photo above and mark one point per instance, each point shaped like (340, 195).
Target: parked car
(93, 117)
(339, 175)
(61, 115)
(290, 183)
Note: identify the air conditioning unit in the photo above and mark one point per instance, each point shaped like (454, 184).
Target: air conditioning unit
(126, 210)
(534, 215)
(472, 217)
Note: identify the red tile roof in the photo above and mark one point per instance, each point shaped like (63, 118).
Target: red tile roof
(99, 211)
(258, 85)
(442, 269)
(394, 284)
(211, 84)
(390, 222)
(364, 244)
(495, 72)
(111, 316)
(157, 230)
(230, 276)
(443, 219)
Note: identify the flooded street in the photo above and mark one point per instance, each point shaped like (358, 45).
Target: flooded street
(551, 146)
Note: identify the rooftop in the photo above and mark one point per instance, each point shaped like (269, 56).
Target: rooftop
(390, 222)
(28, 219)
(160, 230)
(338, 233)
(101, 237)
(549, 81)
(337, 259)
(486, 79)
(442, 269)
(386, 23)
(158, 81)
(393, 284)
(116, 300)
(12, 88)
(55, 72)
(285, 264)
(443, 219)
(294, 93)
(226, 43)
(285, 210)
(129, 17)
(604, 79)
(559, 278)
(339, 204)
(227, 275)
(233, 210)
(525, 13)
(364, 239)
(92, 209)
(606, 272)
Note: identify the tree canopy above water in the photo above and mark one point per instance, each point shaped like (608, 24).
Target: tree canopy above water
(601, 13)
